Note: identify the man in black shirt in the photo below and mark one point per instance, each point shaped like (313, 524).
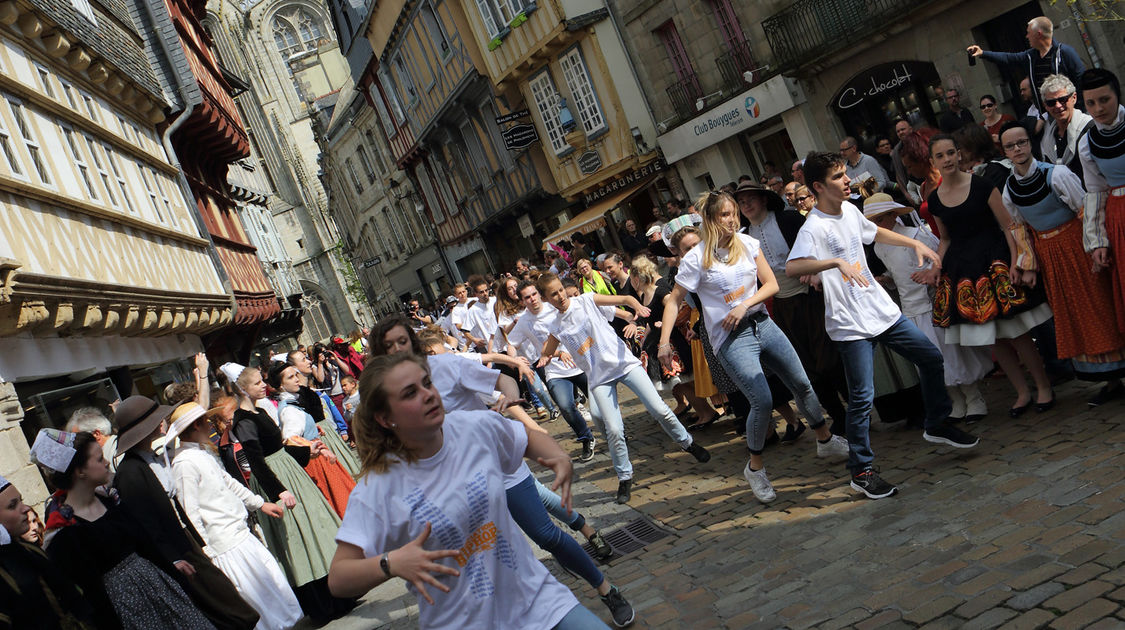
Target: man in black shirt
(956, 116)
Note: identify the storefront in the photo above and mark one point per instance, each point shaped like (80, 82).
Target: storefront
(423, 276)
(767, 123)
(870, 101)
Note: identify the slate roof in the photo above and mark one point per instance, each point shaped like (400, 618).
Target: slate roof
(114, 38)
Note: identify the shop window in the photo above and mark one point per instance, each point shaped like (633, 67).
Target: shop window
(582, 91)
(30, 141)
(546, 99)
(80, 163)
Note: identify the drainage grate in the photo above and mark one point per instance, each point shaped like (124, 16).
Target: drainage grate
(633, 536)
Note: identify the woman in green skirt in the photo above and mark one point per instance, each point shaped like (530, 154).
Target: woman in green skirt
(320, 407)
(303, 541)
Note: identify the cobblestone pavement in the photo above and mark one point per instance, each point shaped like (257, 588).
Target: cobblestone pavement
(1025, 531)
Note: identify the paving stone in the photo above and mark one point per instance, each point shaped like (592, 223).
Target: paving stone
(989, 619)
(1077, 596)
(1030, 620)
(1035, 596)
(1085, 614)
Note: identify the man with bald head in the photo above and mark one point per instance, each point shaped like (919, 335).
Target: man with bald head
(1044, 58)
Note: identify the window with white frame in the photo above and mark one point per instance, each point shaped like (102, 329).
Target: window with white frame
(153, 196)
(91, 106)
(83, 7)
(30, 141)
(380, 160)
(405, 80)
(353, 176)
(45, 80)
(381, 109)
(546, 97)
(392, 96)
(161, 187)
(103, 174)
(68, 90)
(365, 162)
(111, 157)
(14, 165)
(126, 129)
(80, 162)
(389, 217)
(442, 176)
(437, 33)
(490, 16)
(582, 91)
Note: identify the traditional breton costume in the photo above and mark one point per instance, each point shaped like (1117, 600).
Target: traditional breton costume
(1046, 202)
(112, 559)
(1102, 151)
(298, 427)
(328, 418)
(34, 593)
(148, 497)
(217, 506)
(975, 300)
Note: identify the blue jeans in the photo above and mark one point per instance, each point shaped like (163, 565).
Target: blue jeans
(758, 344)
(553, 504)
(527, 510)
(859, 361)
(562, 390)
(605, 397)
(580, 618)
(539, 394)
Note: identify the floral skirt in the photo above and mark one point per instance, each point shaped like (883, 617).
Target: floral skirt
(144, 597)
(976, 311)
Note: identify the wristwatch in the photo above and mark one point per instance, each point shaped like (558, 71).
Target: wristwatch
(385, 564)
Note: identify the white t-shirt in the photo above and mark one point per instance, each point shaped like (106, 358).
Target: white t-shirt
(722, 286)
(850, 311)
(586, 334)
(901, 262)
(480, 319)
(458, 317)
(464, 384)
(529, 335)
(460, 492)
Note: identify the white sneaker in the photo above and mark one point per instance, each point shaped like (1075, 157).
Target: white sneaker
(836, 447)
(759, 483)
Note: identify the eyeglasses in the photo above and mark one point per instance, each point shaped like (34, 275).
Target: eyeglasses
(804, 198)
(1021, 143)
(1051, 102)
(987, 105)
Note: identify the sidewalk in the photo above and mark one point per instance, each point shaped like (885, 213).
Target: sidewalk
(1025, 531)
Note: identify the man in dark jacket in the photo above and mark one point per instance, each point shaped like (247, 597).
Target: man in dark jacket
(145, 485)
(1044, 58)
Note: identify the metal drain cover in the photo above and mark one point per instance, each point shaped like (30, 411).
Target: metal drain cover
(632, 536)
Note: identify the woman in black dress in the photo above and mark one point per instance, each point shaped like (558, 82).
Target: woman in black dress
(107, 554)
(303, 540)
(982, 298)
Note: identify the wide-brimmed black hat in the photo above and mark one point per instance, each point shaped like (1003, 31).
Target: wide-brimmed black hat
(774, 202)
(136, 418)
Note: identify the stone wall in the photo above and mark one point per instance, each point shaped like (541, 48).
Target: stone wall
(15, 461)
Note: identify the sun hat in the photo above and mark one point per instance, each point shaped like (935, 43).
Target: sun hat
(882, 203)
(774, 202)
(136, 417)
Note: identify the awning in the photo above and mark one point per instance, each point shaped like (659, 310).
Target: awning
(593, 218)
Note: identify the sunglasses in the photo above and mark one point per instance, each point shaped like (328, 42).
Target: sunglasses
(987, 105)
(1051, 102)
(803, 198)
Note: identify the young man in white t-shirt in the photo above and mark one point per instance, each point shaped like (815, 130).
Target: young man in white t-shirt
(460, 312)
(858, 312)
(480, 317)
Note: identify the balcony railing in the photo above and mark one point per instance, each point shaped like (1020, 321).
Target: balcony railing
(808, 29)
(733, 63)
(684, 93)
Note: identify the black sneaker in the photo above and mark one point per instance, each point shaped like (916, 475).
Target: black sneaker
(624, 488)
(872, 485)
(700, 454)
(587, 450)
(602, 550)
(950, 436)
(620, 609)
(791, 433)
(1111, 391)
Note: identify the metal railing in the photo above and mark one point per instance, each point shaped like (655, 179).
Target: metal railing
(808, 29)
(736, 60)
(683, 94)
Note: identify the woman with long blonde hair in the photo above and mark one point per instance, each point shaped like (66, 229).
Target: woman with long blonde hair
(732, 278)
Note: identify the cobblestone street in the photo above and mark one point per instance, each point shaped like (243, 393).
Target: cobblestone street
(1023, 532)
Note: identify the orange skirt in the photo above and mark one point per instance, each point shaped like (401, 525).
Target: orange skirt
(1115, 231)
(334, 482)
(1079, 298)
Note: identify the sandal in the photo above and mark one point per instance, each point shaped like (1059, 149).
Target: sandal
(703, 424)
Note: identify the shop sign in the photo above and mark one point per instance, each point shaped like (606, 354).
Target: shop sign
(637, 175)
(371, 262)
(740, 113)
(589, 162)
(526, 228)
(507, 118)
(519, 136)
(877, 80)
